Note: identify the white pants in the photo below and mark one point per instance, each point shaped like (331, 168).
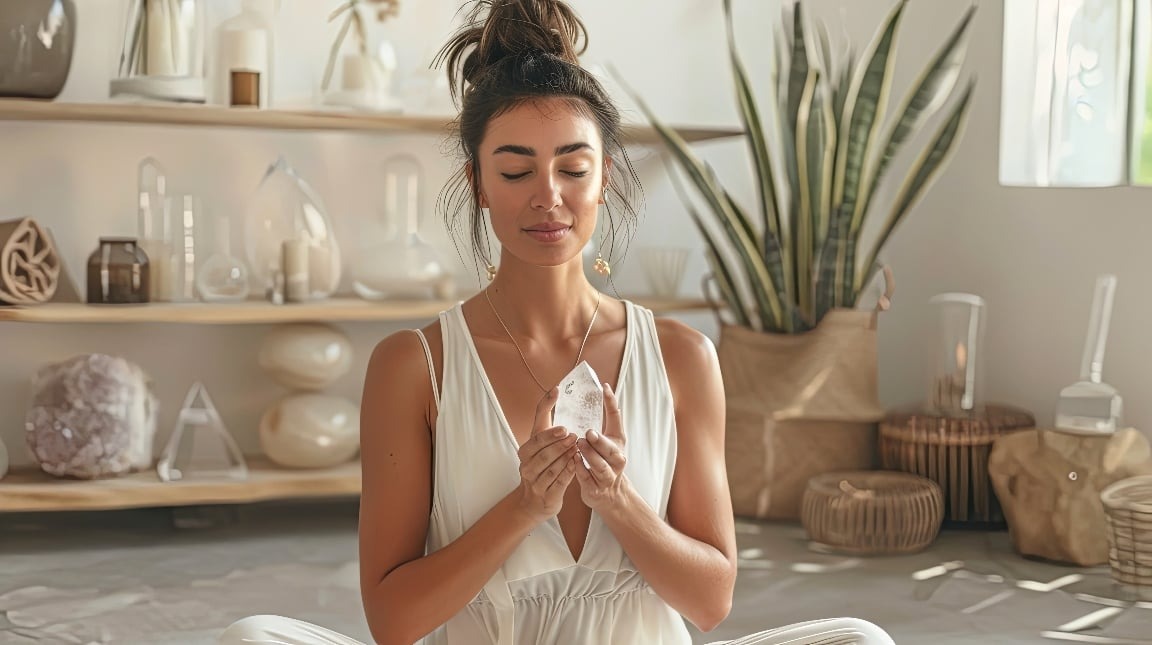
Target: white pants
(277, 630)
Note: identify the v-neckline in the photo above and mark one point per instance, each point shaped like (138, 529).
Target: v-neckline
(506, 428)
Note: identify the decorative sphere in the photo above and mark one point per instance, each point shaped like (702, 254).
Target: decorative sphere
(310, 431)
(306, 356)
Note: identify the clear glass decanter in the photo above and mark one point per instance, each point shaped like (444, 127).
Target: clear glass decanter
(403, 265)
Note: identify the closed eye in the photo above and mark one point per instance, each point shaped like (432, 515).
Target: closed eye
(513, 177)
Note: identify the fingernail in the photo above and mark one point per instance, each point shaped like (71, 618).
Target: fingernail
(558, 432)
(593, 435)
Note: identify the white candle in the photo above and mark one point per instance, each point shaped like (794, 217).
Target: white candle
(160, 54)
(294, 254)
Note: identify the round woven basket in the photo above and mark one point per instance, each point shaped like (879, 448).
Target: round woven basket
(1128, 507)
(872, 512)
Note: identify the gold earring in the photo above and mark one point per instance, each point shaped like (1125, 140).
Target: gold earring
(601, 265)
(491, 273)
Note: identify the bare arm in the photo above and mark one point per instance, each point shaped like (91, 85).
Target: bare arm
(690, 560)
(405, 593)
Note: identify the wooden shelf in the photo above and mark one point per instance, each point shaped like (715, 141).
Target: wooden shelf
(31, 490)
(277, 119)
(255, 312)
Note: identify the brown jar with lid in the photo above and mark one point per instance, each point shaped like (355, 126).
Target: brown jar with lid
(118, 272)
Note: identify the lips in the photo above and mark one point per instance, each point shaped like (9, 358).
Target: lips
(548, 227)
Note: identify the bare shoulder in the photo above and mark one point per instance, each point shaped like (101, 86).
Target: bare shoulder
(398, 364)
(683, 347)
(400, 355)
(689, 355)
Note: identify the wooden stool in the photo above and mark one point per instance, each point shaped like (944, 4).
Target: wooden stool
(953, 452)
(872, 512)
(1128, 507)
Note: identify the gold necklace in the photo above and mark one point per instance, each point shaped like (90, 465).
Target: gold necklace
(517, 345)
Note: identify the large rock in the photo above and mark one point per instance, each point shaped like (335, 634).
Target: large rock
(91, 416)
(1049, 485)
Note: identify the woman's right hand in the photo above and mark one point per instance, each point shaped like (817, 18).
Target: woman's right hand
(547, 463)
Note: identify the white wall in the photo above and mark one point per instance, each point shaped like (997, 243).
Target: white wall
(1032, 253)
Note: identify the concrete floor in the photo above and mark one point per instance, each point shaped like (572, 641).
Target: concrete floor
(130, 577)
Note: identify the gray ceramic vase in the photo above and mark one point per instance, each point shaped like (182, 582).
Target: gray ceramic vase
(36, 43)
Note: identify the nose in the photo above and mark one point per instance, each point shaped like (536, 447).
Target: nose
(547, 194)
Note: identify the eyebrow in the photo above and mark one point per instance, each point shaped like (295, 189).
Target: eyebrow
(531, 152)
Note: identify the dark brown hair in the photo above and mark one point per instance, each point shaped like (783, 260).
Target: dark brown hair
(509, 52)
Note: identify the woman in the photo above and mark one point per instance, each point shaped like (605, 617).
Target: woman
(481, 523)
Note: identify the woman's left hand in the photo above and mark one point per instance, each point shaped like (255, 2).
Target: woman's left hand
(603, 481)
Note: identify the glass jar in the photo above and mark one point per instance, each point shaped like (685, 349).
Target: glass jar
(118, 272)
(162, 51)
(956, 384)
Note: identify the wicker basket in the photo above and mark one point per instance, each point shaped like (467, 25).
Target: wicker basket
(1128, 507)
(953, 452)
(872, 512)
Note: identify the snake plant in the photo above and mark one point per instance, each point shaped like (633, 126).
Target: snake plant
(819, 157)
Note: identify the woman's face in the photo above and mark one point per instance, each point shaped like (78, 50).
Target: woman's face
(542, 177)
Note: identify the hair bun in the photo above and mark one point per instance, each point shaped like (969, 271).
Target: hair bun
(498, 29)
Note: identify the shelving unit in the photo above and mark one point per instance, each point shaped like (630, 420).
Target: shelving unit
(30, 490)
(257, 312)
(27, 489)
(278, 119)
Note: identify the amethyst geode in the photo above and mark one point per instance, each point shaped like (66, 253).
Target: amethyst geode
(91, 416)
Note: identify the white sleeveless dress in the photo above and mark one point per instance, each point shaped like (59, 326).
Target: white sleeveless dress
(540, 594)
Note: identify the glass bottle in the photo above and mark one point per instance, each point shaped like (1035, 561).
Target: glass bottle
(286, 209)
(118, 273)
(223, 276)
(154, 228)
(403, 265)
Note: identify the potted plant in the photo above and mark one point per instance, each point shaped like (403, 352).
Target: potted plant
(798, 357)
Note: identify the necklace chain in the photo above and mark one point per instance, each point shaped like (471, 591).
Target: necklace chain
(524, 359)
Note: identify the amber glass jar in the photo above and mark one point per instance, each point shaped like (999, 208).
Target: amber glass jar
(118, 272)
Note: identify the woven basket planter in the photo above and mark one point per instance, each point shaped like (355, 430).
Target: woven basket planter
(872, 512)
(953, 452)
(1128, 507)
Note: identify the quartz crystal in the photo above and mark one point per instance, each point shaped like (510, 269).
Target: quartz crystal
(580, 407)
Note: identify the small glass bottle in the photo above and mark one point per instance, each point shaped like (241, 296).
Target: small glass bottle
(118, 273)
(223, 276)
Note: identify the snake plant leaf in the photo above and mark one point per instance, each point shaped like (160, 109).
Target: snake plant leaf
(732, 219)
(727, 282)
(923, 172)
(928, 93)
(840, 90)
(809, 192)
(757, 138)
(830, 264)
(864, 108)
